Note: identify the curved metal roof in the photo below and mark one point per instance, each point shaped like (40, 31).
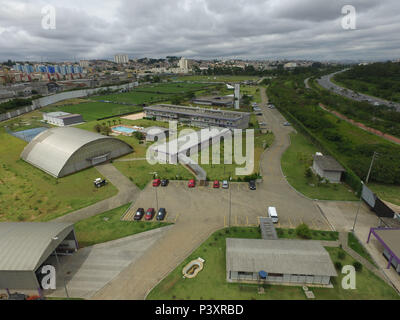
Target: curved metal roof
(25, 246)
(51, 150)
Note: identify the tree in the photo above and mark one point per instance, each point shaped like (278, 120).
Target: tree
(97, 128)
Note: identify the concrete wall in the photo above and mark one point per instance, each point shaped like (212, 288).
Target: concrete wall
(235, 276)
(43, 102)
(332, 176)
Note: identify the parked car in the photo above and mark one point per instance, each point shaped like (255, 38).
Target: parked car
(156, 182)
(273, 214)
(139, 214)
(216, 184)
(161, 214)
(192, 184)
(164, 183)
(252, 185)
(150, 214)
(98, 183)
(287, 124)
(225, 184)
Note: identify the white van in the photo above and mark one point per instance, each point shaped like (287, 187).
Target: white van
(272, 214)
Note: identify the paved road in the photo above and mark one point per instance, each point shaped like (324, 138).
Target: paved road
(326, 82)
(127, 192)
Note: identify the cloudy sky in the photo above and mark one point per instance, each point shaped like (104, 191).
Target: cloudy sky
(265, 29)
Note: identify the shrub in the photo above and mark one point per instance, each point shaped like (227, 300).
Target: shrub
(338, 265)
(341, 255)
(358, 266)
(303, 231)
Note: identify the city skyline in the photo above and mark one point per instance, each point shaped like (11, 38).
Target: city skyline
(202, 29)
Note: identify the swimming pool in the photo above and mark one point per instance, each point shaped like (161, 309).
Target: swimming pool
(123, 129)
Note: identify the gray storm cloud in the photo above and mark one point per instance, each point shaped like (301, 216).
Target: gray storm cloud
(309, 29)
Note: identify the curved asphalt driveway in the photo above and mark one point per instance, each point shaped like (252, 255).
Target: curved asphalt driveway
(127, 192)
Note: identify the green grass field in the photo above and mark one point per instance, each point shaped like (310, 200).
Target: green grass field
(223, 78)
(211, 284)
(294, 162)
(29, 194)
(94, 110)
(108, 226)
(389, 193)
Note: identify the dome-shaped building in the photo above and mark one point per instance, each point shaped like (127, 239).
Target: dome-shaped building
(63, 151)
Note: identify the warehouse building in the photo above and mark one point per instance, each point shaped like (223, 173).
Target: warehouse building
(63, 151)
(26, 247)
(389, 238)
(199, 117)
(62, 119)
(295, 262)
(327, 167)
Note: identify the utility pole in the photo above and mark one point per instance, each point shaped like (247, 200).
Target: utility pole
(366, 182)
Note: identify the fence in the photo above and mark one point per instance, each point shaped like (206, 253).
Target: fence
(376, 204)
(43, 102)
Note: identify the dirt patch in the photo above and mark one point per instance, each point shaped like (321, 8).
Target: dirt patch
(136, 116)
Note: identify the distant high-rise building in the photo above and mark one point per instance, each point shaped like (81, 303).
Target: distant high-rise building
(121, 58)
(183, 64)
(84, 63)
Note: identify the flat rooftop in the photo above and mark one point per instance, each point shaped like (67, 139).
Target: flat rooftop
(199, 112)
(392, 239)
(305, 257)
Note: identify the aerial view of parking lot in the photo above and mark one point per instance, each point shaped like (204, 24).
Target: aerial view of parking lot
(221, 163)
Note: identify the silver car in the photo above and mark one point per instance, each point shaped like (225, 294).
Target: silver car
(225, 184)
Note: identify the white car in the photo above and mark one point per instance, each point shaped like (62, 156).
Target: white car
(225, 184)
(273, 215)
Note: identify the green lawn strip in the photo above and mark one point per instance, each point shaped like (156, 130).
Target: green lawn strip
(29, 194)
(297, 158)
(354, 244)
(390, 193)
(211, 282)
(315, 234)
(108, 226)
(368, 285)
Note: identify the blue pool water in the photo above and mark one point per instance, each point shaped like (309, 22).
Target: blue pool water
(124, 129)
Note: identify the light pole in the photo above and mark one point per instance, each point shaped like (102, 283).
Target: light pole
(61, 270)
(366, 182)
(230, 204)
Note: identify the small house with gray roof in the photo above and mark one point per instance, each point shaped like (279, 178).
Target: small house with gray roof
(327, 167)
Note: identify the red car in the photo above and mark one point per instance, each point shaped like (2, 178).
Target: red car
(156, 182)
(216, 184)
(192, 184)
(150, 214)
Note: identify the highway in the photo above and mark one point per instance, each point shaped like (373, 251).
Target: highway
(326, 82)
